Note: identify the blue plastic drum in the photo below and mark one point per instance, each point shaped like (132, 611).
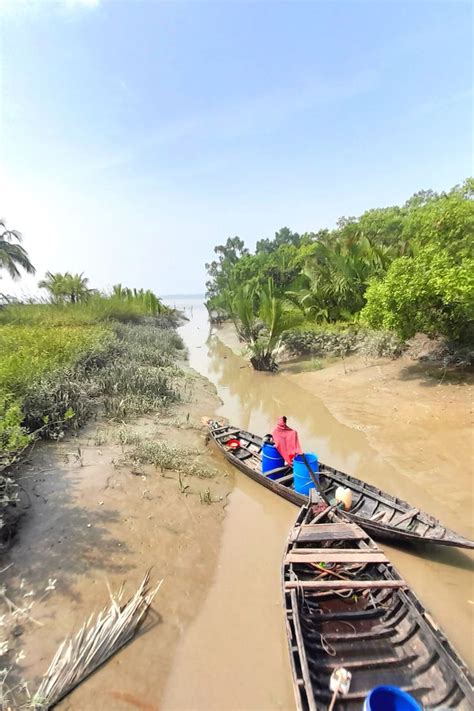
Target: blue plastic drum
(302, 480)
(390, 698)
(271, 459)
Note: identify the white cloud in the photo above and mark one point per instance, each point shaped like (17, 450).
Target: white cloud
(75, 4)
(17, 8)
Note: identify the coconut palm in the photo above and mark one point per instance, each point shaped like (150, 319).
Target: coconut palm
(76, 284)
(12, 254)
(66, 287)
(56, 284)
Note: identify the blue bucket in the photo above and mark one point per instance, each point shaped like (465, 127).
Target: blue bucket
(390, 698)
(271, 459)
(302, 481)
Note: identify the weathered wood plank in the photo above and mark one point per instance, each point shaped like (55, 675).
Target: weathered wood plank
(322, 514)
(409, 514)
(337, 526)
(284, 479)
(330, 557)
(302, 653)
(343, 584)
(276, 471)
(336, 551)
(329, 532)
(229, 433)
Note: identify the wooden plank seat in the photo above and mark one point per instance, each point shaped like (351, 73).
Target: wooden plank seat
(228, 433)
(343, 584)
(243, 454)
(330, 556)
(328, 532)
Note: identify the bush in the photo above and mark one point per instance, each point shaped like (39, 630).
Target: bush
(339, 340)
(320, 341)
(27, 352)
(428, 293)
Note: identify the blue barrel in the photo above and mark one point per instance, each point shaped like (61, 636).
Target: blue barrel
(271, 459)
(302, 481)
(390, 698)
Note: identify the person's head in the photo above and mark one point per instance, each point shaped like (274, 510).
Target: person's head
(284, 419)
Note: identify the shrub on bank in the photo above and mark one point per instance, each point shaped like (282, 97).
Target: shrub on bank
(340, 340)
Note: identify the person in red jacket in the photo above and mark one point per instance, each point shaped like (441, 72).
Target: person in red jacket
(286, 440)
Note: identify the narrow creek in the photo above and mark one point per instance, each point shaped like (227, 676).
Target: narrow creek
(234, 654)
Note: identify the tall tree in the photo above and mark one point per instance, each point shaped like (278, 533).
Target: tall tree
(12, 255)
(219, 270)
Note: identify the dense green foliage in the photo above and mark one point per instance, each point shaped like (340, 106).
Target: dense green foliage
(402, 268)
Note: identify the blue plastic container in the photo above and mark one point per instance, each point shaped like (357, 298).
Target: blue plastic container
(302, 481)
(271, 459)
(390, 698)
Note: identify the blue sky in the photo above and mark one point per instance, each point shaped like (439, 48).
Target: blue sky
(137, 135)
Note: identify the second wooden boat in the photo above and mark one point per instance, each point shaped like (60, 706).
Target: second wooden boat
(384, 516)
(347, 607)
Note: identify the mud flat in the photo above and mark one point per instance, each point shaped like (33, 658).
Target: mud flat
(96, 519)
(423, 426)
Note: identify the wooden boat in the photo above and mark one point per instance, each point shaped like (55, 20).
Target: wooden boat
(382, 515)
(346, 606)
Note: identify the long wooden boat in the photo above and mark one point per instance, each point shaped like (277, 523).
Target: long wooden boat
(347, 606)
(384, 516)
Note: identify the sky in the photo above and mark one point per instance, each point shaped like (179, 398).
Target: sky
(136, 135)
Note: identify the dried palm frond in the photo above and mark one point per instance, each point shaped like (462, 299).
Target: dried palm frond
(97, 640)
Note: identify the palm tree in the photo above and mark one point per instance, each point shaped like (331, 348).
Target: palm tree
(12, 254)
(261, 318)
(76, 284)
(66, 287)
(56, 284)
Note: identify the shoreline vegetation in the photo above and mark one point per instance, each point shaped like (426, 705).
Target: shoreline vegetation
(63, 363)
(83, 360)
(369, 285)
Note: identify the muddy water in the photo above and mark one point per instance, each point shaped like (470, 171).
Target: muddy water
(234, 655)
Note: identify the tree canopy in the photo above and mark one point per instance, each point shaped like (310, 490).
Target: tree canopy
(404, 268)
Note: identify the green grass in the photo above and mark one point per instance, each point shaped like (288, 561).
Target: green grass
(27, 352)
(97, 309)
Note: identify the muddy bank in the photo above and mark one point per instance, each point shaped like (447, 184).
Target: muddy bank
(96, 518)
(422, 426)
